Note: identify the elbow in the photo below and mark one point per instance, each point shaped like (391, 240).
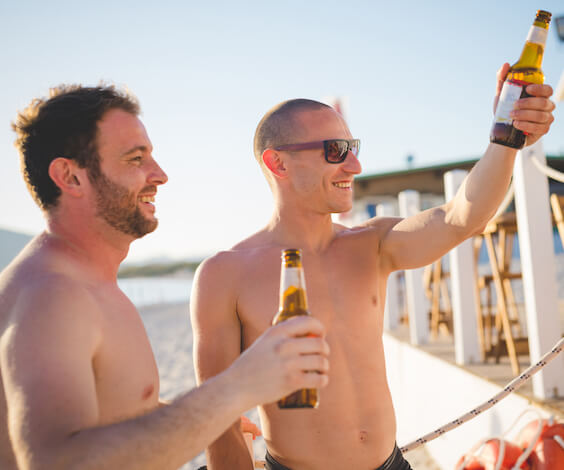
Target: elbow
(464, 224)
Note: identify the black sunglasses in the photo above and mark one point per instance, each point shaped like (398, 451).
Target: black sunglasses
(336, 150)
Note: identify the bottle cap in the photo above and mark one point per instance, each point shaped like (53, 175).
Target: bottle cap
(291, 251)
(543, 16)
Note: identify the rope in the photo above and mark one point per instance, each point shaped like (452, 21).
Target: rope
(550, 172)
(510, 387)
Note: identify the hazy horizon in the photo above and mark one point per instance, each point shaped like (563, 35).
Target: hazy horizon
(417, 79)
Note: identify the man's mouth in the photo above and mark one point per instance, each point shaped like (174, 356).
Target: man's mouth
(343, 184)
(147, 198)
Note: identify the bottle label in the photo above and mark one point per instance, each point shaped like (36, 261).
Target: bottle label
(510, 93)
(537, 35)
(291, 277)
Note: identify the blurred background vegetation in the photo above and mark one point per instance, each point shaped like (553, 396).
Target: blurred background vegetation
(160, 269)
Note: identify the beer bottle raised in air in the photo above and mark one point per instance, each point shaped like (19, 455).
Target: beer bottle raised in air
(527, 70)
(293, 302)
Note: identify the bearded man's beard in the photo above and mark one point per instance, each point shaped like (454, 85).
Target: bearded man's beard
(119, 207)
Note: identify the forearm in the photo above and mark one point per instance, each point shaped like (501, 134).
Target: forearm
(165, 438)
(483, 190)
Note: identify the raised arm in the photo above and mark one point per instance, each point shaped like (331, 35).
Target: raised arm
(47, 361)
(425, 237)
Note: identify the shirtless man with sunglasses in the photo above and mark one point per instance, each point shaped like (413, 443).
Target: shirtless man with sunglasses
(310, 158)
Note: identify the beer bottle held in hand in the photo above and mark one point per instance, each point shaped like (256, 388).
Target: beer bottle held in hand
(293, 302)
(527, 70)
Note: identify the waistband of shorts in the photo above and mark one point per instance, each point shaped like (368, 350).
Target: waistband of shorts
(394, 462)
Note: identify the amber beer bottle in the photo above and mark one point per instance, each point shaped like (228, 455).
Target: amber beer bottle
(293, 302)
(527, 70)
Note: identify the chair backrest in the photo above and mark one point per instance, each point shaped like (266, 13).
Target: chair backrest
(556, 202)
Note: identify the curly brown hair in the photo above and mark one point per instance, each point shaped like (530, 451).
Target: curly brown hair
(64, 125)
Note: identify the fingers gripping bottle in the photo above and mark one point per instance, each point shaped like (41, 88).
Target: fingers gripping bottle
(527, 70)
(293, 302)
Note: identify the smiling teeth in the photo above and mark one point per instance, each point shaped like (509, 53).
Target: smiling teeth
(147, 198)
(342, 185)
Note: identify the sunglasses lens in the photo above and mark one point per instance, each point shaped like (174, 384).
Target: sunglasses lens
(355, 147)
(336, 150)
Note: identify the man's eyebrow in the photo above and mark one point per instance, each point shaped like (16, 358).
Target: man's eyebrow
(137, 148)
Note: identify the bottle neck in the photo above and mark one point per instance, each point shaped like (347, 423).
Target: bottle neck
(538, 33)
(533, 51)
(292, 287)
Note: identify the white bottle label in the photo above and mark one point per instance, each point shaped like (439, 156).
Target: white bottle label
(291, 277)
(537, 35)
(510, 93)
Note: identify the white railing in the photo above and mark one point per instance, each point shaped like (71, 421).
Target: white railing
(529, 189)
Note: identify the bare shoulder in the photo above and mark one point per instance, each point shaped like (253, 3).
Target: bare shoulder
(372, 230)
(49, 305)
(229, 264)
(219, 268)
(220, 279)
(42, 282)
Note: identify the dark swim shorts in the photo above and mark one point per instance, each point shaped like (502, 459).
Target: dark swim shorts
(394, 462)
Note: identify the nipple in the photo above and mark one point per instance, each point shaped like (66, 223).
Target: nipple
(148, 391)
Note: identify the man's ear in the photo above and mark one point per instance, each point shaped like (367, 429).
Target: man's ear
(64, 173)
(274, 162)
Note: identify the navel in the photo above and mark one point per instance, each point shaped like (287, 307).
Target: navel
(363, 436)
(148, 391)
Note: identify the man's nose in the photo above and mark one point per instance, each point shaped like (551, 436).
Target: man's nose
(157, 175)
(352, 164)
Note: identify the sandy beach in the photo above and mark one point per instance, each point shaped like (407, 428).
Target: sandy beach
(170, 333)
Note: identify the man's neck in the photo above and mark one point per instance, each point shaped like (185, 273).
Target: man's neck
(90, 245)
(303, 229)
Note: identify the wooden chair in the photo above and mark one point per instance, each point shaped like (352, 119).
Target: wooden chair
(501, 334)
(556, 202)
(436, 290)
(486, 311)
(402, 294)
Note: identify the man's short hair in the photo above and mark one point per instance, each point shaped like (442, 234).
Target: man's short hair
(279, 125)
(64, 125)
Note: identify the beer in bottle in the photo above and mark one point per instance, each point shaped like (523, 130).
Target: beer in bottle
(293, 302)
(527, 70)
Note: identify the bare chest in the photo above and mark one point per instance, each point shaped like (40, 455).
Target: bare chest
(347, 297)
(126, 375)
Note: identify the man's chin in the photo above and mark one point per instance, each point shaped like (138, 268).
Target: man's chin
(148, 228)
(341, 209)
(140, 229)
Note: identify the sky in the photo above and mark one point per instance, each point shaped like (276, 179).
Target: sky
(417, 78)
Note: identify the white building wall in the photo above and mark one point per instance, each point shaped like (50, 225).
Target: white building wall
(429, 392)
